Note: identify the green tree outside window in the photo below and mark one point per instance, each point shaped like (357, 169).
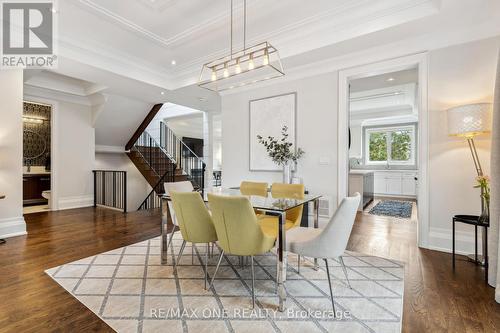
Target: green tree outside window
(378, 146)
(400, 145)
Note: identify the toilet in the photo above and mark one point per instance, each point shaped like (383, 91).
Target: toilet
(46, 195)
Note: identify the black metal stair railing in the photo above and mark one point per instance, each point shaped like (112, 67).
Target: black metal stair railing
(187, 161)
(110, 189)
(160, 165)
(153, 199)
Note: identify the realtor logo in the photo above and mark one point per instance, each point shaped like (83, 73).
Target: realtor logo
(28, 30)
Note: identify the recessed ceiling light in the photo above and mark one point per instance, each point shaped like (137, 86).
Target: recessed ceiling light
(53, 10)
(173, 62)
(390, 79)
(162, 93)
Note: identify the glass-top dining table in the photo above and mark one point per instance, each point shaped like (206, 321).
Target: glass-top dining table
(271, 206)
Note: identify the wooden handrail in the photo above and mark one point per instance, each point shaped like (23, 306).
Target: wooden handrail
(143, 126)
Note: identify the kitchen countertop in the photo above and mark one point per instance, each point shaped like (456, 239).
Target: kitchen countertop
(360, 172)
(383, 170)
(35, 174)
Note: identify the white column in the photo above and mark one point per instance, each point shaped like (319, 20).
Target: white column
(208, 148)
(11, 153)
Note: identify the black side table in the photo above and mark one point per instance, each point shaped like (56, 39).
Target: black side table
(474, 220)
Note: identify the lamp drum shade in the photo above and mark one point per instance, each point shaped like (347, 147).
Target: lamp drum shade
(469, 120)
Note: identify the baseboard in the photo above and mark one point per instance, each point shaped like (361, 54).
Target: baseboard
(12, 227)
(440, 239)
(73, 202)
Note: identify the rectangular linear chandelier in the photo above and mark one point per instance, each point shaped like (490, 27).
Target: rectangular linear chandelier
(250, 65)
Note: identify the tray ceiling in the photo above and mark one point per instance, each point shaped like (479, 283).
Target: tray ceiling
(152, 33)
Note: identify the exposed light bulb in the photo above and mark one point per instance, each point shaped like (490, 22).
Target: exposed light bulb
(265, 62)
(214, 75)
(238, 67)
(225, 73)
(251, 65)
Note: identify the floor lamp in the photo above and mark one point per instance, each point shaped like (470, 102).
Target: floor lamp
(469, 121)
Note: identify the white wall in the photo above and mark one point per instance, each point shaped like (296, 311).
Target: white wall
(11, 153)
(458, 75)
(75, 155)
(356, 141)
(137, 186)
(316, 133)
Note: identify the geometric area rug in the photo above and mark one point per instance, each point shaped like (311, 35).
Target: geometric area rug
(131, 291)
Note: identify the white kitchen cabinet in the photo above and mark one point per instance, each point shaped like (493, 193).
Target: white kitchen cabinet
(395, 183)
(361, 181)
(409, 184)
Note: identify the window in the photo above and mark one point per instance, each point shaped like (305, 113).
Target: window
(390, 145)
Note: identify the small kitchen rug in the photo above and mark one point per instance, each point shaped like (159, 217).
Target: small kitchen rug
(394, 208)
(131, 291)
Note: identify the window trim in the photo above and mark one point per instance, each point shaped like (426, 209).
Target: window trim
(389, 129)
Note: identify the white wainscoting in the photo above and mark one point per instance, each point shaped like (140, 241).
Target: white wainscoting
(79, 201)
(11, 227)
(441, 240)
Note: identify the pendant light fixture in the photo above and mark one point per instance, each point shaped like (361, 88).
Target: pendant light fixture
(252, 64)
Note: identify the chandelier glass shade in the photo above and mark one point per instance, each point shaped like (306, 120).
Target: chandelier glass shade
(257, 63)
(250, 65)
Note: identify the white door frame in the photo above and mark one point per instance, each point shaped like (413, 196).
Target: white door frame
(401, 63)
(54, 146)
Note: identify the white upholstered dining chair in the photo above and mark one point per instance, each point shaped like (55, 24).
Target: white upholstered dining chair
(327, 243)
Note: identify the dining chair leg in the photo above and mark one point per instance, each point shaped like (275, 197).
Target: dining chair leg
(330, 284)
(213, 249)
(206, 265)
(180, 253)
(253, 284)
(169, 242)
(216, 269)
(345, 271)
(298, 263)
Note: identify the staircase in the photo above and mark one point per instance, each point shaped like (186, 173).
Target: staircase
(163, 159)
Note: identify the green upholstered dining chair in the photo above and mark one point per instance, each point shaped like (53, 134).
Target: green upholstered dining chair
(253, 188)
(184, 186)
(293, 216)
(194, 221)
(238, 231)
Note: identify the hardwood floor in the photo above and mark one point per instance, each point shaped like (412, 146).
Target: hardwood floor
(30, 300)
(436, 298)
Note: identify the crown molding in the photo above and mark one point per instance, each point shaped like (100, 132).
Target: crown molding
(412, 46)
(166, 42)
(47, 93)
(114, 61)
(311, 33)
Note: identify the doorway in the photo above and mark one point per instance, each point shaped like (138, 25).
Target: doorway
(383, 141)
(37, 143)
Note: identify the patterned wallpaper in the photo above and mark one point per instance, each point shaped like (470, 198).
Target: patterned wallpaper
(36, 136)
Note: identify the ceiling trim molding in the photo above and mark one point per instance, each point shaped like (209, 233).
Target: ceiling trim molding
(110, 61)
(417, 45)
(35, 91)
(151, 35)
(281, 36)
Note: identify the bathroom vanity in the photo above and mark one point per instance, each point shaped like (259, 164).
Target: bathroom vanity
(34, 183)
